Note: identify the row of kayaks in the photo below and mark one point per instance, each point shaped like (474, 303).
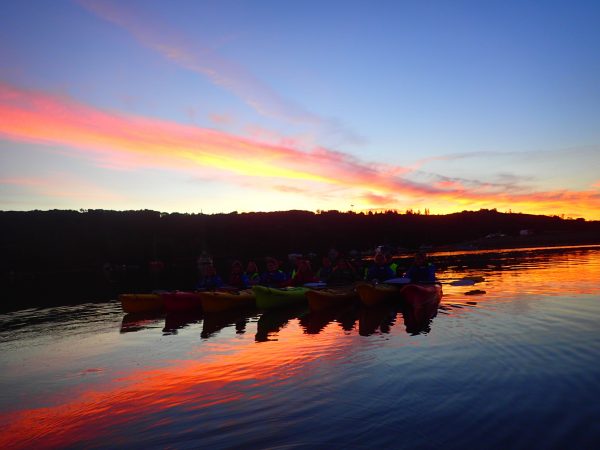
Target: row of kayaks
(264, 297)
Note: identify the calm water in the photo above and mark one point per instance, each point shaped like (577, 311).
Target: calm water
(516, 367)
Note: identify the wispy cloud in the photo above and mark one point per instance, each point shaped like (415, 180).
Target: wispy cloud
(117, 140)
(62, 185)
(175, 46)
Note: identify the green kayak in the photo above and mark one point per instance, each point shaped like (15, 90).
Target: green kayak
(267, 298)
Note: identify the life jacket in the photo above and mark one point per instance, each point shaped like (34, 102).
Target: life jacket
(273, 279)
(422, 274)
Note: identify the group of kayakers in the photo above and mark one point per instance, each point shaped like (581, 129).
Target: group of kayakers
(336, 269)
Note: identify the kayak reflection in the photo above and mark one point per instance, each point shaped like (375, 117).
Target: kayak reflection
(418, 311)
(215, 321)
(315, 321)
(377, 319)
(273, 320)
(133, 322)
(177, 320)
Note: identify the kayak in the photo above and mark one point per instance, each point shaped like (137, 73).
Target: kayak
(267, 297)
(182, 301)
(328, 298)
(136, 303)
(224, 300)
(371, 295)
(421, 294)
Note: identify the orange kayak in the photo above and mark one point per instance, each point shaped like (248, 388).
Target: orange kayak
(371, 295)
(328, 298)
(136, 303)
(224, 300)
(182, 301)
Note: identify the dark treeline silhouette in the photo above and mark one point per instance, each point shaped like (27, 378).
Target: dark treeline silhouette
(56, 256)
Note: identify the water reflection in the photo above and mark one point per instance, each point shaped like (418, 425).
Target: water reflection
(216, 321)
(530, 343)
(377, 319)
(419, 316)
(272, 321)
(175, 321)
(315, 321)
(133, 322)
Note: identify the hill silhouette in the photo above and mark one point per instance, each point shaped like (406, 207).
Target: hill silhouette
(60, 256)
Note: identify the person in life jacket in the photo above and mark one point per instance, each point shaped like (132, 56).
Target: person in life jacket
(379, 271)
(304, 273)
(237, 277)
(210, 280)
(273, 277)
(421, 271)
(326, 269)
(252, 273)
(343, 273)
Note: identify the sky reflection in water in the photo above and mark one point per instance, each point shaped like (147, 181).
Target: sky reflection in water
(514, 367)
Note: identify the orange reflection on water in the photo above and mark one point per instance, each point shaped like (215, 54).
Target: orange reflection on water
(190, 383)
(523, 275)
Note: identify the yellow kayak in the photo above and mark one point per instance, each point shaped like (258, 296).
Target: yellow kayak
(328, 298)
(136, 303)
(224, 300)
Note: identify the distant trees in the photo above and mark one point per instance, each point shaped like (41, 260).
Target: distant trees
(92, 237)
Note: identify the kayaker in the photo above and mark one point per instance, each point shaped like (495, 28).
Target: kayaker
(343, 273)
(421, 270)
(389, 258)
(273, 277)
(252, 273)
(237, 277)
(303, 274)
(210, 281)
(379, 271)
(326, 269)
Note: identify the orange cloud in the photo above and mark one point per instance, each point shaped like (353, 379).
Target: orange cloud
(118, 140)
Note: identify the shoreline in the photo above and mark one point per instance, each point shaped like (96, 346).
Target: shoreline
(542, 240)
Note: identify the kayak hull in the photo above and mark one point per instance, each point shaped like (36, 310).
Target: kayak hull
(330, 298)
(421, 294)
(138, 303)
(267, 298)
(222, 300)
(371, 295)
(182, 301)
(420, 306)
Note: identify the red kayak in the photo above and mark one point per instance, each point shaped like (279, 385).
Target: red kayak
(421, 294)
(182, 301)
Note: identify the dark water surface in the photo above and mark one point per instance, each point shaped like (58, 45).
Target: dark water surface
(517, 367)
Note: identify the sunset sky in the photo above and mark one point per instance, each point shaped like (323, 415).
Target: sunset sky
(220, 106)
